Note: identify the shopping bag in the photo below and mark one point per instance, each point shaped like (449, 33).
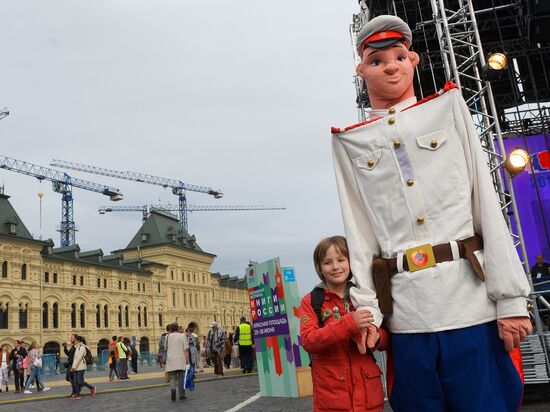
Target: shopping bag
(189, 378)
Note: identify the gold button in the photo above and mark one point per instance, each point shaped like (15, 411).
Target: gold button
(434, 143)
(370, 163)
(410, 182)
(420, 220)
(396, 144)
(391, 120)
(392, 110)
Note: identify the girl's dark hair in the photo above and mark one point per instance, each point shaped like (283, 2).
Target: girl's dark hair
(174, 327)
(339, 242)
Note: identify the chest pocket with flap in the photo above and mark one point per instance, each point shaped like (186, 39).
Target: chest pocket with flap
(432, 141)
(369, 160)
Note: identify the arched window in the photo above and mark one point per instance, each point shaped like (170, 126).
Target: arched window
(119, 316)
(55, 314)
(145, 317)
(106, 316)
(196, 301)
(139, 317)
(160, 319)
(24, 271)
(126, 317)
(185, 300)
(4, 315)
(45, 315)
(82, 316)
(73, 316)
(98, 316)
(5, 269)
(174, 299)
(23, 314)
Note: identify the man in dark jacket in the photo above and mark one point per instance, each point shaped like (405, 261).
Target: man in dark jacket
(69, 377)
(17, 355)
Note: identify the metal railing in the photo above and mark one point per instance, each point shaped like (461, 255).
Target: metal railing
(52, 367)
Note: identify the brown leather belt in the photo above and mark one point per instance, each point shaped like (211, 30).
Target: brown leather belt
(383, 269)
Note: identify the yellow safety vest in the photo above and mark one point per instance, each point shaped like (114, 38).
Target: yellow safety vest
(245, 334)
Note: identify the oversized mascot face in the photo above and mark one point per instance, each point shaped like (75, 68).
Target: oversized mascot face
(388, 73)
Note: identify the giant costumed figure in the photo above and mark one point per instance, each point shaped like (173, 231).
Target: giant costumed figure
(429, 247)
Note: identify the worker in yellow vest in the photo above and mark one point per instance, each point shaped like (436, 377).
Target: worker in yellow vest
(243, 337)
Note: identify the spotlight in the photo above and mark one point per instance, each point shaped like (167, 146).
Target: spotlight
(516, 161)
(495, 66)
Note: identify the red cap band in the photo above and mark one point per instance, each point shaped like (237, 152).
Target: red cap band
(384, 35)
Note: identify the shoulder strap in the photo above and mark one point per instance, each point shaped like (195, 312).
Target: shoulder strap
(317, 298)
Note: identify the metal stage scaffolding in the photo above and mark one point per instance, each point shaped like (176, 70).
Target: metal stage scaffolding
(453, 38)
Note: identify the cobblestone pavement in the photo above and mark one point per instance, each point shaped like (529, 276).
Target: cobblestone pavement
(147, 392)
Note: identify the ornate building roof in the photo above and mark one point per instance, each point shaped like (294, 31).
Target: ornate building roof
(10, 222)
(163, 228)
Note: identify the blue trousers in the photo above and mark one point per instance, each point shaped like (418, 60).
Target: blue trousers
(461, 370)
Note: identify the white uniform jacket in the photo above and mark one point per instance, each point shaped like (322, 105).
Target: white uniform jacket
(418, 175)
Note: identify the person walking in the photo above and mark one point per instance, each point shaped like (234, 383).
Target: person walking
(215, 342)
(161, 357)
(194, 345)
(228, 350)
(243, 337)
(56, 363)
(79, 367)
(177, 360)
(112, 366)
(134, 357)
(69, 375)
(4, 367)
(17, 355)
(122, 363)
(35, 365)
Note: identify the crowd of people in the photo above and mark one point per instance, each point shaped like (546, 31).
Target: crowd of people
(182, 352)
(25, 364)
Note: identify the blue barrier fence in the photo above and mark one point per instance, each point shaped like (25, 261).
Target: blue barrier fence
(52, 367)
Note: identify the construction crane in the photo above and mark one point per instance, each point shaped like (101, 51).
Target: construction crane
(4, 112)
(178, 187)
(61, 183)
(146, 209)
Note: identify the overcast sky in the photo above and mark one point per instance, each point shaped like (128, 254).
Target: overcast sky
(236, 95)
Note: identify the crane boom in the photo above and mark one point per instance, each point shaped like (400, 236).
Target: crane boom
(145, 209)
(137, 177)
(61, 183)
(45, 173)
(4, 112)
(178, 187)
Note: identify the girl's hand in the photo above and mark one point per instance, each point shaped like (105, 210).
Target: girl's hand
(363, 318)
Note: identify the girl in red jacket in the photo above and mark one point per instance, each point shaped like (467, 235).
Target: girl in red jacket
(343, 379)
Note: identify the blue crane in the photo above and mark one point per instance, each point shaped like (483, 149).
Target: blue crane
(146, 209)
(178, 187)
(61, 183)
(4, 112)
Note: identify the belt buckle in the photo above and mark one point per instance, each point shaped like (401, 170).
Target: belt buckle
(420, 257)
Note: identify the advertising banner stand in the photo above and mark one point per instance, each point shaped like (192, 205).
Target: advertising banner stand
(282, 362)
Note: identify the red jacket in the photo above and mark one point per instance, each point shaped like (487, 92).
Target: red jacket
(343, 379)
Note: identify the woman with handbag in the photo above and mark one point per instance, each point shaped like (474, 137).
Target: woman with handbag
(34, 360)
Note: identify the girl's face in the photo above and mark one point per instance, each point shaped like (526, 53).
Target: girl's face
(335, 267)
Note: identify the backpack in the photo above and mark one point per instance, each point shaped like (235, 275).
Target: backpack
(88, 358)
(317, 298)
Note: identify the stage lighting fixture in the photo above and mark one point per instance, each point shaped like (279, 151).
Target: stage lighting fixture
(516, 161)
(495, 66)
